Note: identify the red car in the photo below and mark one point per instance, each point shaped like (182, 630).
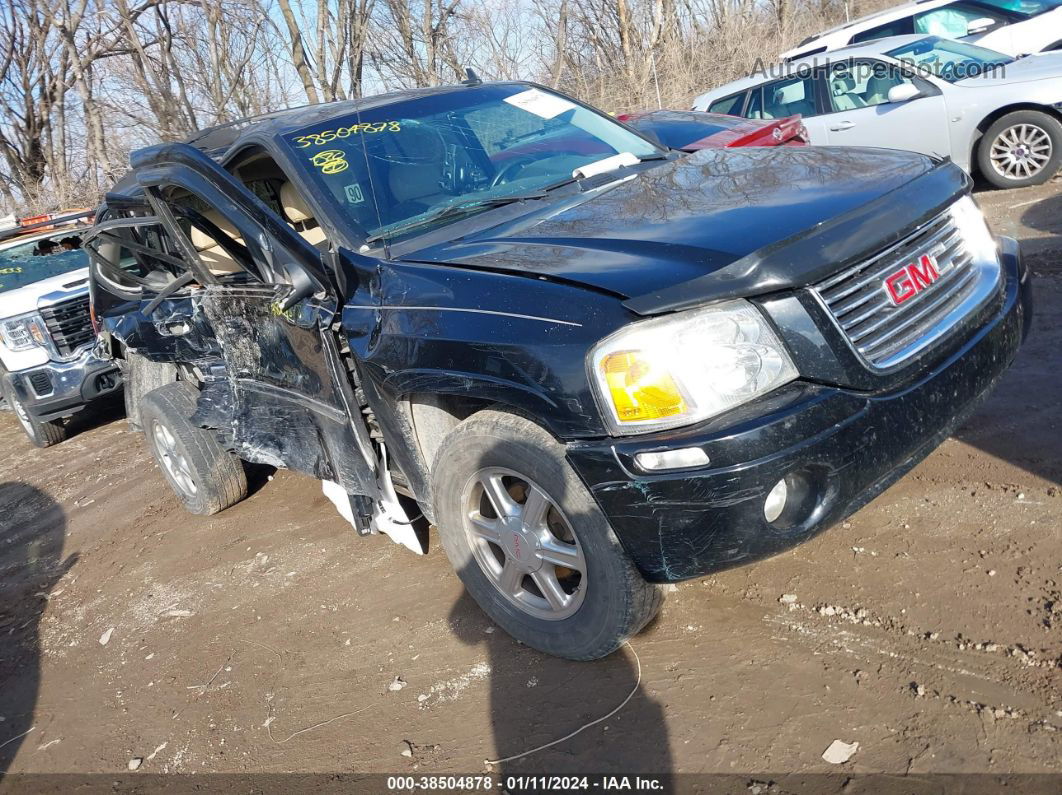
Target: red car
(690, 130)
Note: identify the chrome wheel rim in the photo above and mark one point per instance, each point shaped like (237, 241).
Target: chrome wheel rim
(173, 462)
(23, 416)
(523, 543)
(1021, 151)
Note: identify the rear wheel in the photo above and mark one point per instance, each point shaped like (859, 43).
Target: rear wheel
(530, 543)
(43, 433)
(206, 477)
(1020, 149)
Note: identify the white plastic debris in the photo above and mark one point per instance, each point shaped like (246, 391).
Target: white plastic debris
(396, 684)
(840, 752)
(788, 598)
(135, 763)
(407, 749)
(106, 637)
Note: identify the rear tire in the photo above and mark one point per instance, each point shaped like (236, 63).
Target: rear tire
(42, 433)
(1021, 149)
(577, 614)
(205, 476)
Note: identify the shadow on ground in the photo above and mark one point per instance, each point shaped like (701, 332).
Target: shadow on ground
(32, 535)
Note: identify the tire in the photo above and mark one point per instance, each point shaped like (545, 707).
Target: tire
(142, 376)
(42, 433)
(596, 609)
(205, 476)
(1020, 149)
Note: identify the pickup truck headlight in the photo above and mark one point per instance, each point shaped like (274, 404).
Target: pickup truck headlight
(687, 367)
(973, 227)
(24, 332)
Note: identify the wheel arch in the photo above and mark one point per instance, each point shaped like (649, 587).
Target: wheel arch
(999, 113)
(433, 415)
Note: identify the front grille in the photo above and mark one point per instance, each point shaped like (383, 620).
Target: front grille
(69, 324)
(41, 383)
(885, 334)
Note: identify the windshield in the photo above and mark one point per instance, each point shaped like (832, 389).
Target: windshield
(952, 60)
(389, 167)
(39, 259)
(1027, 8)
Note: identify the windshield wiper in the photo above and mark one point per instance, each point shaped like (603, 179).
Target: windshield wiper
(454, 210)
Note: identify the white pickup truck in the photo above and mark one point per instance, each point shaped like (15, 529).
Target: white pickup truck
(48, 370)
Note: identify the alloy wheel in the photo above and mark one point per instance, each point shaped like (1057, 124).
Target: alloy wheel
(1021, 151)
(175, 464)
(523, 543)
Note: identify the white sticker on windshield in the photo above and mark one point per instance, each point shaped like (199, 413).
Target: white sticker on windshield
(540, 103)
(354, 194)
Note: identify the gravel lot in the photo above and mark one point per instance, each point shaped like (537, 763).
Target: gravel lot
(927, 628)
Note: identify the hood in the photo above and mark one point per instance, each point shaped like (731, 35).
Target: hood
(686, 218)
(24, 299)
(1042, 66)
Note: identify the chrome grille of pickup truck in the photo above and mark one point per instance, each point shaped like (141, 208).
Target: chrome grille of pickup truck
(885, 333)
(69, 324)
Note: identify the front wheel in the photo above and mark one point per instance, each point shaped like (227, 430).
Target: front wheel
(531, 545)
(205, 476)
(43, 433)
(1020, 149)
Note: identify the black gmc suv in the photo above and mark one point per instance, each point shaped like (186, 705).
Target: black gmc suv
(592, 364)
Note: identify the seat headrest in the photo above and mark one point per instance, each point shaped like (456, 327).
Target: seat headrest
(295, 208)
(202, 241)
(842, 84)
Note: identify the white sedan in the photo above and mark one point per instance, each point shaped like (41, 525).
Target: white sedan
(988, 112)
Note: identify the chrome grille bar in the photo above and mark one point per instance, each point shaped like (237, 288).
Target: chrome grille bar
(884, 333)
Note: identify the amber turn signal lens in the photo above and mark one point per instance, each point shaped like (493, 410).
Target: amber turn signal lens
(640, 391)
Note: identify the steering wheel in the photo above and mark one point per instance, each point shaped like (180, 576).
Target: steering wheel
(507, 172)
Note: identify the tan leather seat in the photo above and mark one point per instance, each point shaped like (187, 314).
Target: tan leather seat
(878, 90)
(844, 96)
(297, 211)
(218, 261)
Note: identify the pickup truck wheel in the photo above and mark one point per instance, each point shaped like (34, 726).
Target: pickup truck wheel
(206, 477)
(1022, 148)
(529, 542)
(43, 433)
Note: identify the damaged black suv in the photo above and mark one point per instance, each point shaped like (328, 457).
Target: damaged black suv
(594, 365)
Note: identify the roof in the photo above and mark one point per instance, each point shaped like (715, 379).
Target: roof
(896, 12)
(219, 139)
(778, 71)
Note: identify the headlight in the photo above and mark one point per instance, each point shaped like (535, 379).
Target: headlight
(970, 222)
(687, 367)
(24, 332)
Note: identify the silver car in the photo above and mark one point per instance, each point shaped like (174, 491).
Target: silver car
(989, 112)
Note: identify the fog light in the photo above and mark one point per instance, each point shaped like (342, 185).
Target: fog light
(775, 502)
(683, 458)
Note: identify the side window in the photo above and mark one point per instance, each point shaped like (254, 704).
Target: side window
(898, 27)
(215, 238)
(130, 257)
(863, 84)
(731, 106)
(783, 98)
(952, 21)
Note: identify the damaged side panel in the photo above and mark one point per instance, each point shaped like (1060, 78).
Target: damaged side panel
(269, 390)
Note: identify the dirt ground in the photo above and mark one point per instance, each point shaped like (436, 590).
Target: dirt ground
(927, 628)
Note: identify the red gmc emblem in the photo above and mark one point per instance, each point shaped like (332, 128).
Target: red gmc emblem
(912, 279)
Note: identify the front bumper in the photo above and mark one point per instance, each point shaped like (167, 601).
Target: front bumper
(59, 389)
(840, 449)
